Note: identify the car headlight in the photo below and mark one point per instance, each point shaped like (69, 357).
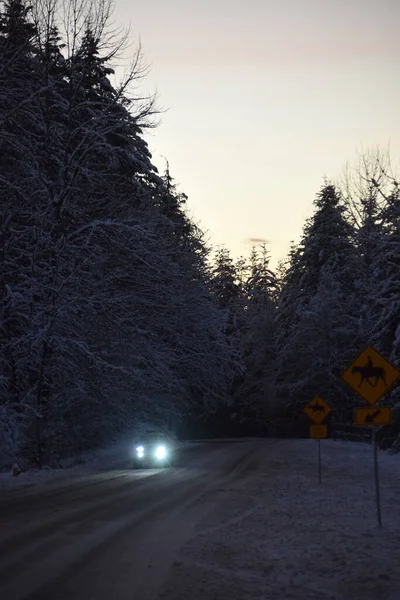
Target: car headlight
(140, 450)
(161, 452)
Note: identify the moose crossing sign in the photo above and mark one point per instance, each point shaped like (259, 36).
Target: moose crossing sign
(317, 410)
(371, 375)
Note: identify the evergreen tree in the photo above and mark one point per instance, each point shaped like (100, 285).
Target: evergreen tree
(19, 207)
(316, 326)
(106, 316)
(373, 198)
(385, 306)
(224, 283)
(254, 395)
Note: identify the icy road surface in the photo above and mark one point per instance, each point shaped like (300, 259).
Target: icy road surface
(232, 521)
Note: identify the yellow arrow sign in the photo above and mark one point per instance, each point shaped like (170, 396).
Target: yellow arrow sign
(317, 409)
(318, 431)
(373, 415)
(371, 375)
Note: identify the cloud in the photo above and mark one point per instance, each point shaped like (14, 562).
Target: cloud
(257, 240)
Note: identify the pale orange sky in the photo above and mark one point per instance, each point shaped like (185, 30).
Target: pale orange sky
(264, 99)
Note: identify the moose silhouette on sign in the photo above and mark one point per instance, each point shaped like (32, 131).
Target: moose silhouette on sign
(372, 375)
(372, 416)
(317, 408)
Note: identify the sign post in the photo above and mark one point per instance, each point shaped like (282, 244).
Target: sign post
(318, 410)
(371, 375)
(376, 477)
(319, 461)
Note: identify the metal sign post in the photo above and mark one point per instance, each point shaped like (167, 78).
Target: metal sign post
(318, 410)
(376, 477)
(319, 461)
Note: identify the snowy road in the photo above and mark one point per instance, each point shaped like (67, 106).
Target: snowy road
(113, 535)
(246, 520)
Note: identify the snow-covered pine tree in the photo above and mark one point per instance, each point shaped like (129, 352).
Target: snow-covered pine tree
(385, 305)
(372, 196)
(315, 322)
(254, 396)
(20, 209)
(226, 288)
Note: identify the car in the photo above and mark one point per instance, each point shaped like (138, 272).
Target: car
(152, 450)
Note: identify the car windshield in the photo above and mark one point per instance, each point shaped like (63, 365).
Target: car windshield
(153, 438)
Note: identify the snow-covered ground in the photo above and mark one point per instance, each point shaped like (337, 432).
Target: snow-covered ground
(84, 464)
(278, 534)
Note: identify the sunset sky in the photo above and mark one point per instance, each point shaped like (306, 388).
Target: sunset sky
(264, 98)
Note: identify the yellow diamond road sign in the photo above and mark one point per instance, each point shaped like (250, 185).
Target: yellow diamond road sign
(371, 375)
(318, 431)
(317, 409)
(373, 415)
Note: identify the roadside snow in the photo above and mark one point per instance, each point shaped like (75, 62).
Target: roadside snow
(84, 464)
(278, 534)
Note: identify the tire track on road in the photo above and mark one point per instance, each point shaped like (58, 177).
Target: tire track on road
(67, 544)
(153, 538)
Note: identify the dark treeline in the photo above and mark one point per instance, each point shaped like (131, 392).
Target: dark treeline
(112, 311)
(337, 292)
(106, 318)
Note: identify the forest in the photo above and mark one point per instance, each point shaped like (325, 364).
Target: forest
(115, 310)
